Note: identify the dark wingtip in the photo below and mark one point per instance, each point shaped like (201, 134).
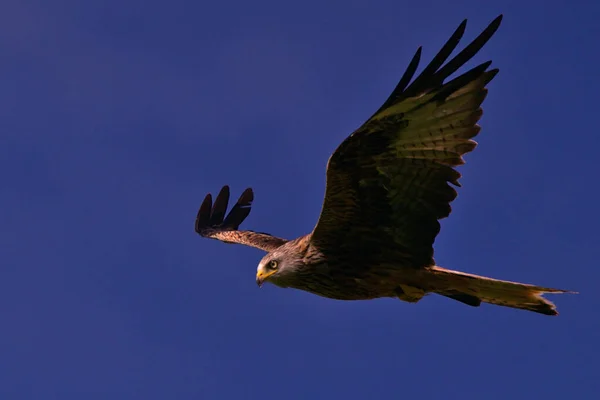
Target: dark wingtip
(240, 210)
(431, 76)
(203, 215)
(497, 20)
(491, 74)
(219, 207)
(493, 26)
(223, 192)
(212, 215)
(408, 74)
(246, 198)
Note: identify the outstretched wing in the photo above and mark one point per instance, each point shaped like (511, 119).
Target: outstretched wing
(212, 223)
(388, 182)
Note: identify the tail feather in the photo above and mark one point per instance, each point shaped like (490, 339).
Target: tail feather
(474, 289)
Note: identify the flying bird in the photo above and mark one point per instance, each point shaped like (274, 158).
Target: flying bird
(388, 185)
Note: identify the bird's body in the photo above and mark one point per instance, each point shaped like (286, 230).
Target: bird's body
(342, 278)
(388, 185)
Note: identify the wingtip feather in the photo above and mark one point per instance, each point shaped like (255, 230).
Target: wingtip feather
(247, 197)
(204, 211)
(220, 206)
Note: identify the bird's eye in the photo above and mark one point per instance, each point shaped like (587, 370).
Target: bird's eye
(273, 264)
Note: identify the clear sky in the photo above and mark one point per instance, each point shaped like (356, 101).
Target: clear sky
(116, 117)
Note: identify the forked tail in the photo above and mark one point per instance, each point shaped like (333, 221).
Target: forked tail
(473, 289)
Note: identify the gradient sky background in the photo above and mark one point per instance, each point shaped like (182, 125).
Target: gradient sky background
(116, 117)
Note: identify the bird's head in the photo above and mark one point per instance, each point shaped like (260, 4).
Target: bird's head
(279, 267)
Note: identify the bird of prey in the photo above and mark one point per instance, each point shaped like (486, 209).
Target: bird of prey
(388, 185)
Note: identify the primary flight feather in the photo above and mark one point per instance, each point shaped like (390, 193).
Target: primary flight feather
(388, 185)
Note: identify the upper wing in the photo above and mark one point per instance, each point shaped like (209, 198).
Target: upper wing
(388, 182)
(212, 223)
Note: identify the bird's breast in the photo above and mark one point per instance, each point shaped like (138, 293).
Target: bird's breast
(349, 282)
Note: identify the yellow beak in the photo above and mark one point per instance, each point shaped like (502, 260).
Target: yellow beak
(261, 276)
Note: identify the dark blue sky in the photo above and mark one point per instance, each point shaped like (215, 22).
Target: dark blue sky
(116, 118)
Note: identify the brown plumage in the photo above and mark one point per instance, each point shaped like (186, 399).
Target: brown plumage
(388, 185)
